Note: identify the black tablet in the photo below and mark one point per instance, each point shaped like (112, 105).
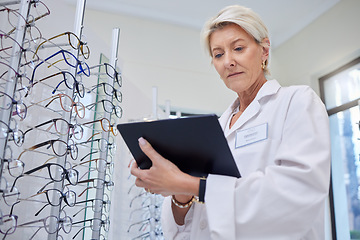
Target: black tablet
(195, 144)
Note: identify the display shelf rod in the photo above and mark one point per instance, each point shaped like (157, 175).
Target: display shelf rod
(103, 155)
(14, 64)
(78, 26)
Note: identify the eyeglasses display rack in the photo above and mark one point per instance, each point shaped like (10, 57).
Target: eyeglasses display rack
(57, 128)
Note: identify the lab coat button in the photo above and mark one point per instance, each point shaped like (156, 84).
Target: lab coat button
(203, 224)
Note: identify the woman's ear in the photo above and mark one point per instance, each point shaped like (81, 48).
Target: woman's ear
(265, 43)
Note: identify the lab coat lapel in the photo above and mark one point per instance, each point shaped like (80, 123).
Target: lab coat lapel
(269, 88)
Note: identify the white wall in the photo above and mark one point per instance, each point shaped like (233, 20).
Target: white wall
(329, 42)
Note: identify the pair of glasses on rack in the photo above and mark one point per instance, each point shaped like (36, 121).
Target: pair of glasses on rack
(108, 107)
(66, 103)
(67, 79)
(61, 126)
(59, 147)
(7, 102)
(105, 125)
(108, 90)
(70, 59)
(13, 166)
(95, 224)
(110, 71)
(13, 17)
(56, 172)
(16, 136)
(73, 41)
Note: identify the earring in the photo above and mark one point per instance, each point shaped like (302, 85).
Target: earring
(263, 65)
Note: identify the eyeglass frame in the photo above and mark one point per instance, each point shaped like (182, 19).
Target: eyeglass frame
(80, 45)
(63, 51)
(113, 109)
(115, 91)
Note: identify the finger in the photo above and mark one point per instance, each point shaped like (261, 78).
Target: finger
(134, 170)
(149, 150)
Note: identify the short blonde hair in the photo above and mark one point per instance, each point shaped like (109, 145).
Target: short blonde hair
(244, 17)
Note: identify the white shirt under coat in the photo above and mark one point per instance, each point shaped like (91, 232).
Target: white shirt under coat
(285, 177)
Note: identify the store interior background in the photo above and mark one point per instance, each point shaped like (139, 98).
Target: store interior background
(170, 57)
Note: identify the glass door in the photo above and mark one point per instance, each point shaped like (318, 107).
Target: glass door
(340, 91)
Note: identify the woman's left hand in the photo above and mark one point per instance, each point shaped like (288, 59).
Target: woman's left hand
(163, 177)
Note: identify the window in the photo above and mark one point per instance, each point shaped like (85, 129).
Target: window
(340, 91)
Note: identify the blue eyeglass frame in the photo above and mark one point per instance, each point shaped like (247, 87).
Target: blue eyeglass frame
(85, 70)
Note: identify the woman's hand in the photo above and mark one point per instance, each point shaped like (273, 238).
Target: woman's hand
(163, 177)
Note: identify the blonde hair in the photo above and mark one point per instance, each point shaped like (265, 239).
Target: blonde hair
(244, 17)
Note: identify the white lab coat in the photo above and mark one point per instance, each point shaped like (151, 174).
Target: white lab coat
(285, 177)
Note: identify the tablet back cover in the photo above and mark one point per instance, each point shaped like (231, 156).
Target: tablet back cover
(195, 144)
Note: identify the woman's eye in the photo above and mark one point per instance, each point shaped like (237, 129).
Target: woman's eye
(238, 49)
(218, 55)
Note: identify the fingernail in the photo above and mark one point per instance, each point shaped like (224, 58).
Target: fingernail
(142, 141)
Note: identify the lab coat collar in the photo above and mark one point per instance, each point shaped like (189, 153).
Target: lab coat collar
(269, 88)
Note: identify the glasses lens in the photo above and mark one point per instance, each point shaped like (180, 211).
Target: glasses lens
(62, 127)
(108, 106)
(66, 102)
(5, 101)
(21, 110)
(73, 41)
(59, 147)
(114, 130)
(67, 224)
(78, 132)
(3, 184)
(56, 172)
(118, 95)
(51, 224)
(73, 176)
(106, 224)
(69, 79)
(80, 109)
(4, 130)
(11, 197)
(70, 59)
(18, 137)
(107, 205)
(8, 224)
(73, 151)
(54, 197)
(85, 50)
(96, 224)
(97, 205)
(84, 68)
(110, 167)
(110, 185)
(103, 144)
(119, 79)
(15, 167)
(80, 89)
(118, 111)
(110, 70)
(70, 198)
(105, 124)
(108, 89)
(100, 165)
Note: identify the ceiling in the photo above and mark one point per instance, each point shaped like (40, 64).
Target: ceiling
(284, 18)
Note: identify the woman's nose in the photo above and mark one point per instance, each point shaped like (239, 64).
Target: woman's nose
(229, 61)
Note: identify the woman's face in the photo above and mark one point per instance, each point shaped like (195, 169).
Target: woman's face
(237, 57)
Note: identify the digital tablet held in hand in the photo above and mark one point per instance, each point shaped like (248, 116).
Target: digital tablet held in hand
(195, 144)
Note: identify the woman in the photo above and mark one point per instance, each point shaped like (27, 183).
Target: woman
(285, 168)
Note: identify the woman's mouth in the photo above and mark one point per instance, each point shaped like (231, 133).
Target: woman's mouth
(234, 74)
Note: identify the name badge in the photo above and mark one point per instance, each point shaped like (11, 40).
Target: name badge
(251, 135)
